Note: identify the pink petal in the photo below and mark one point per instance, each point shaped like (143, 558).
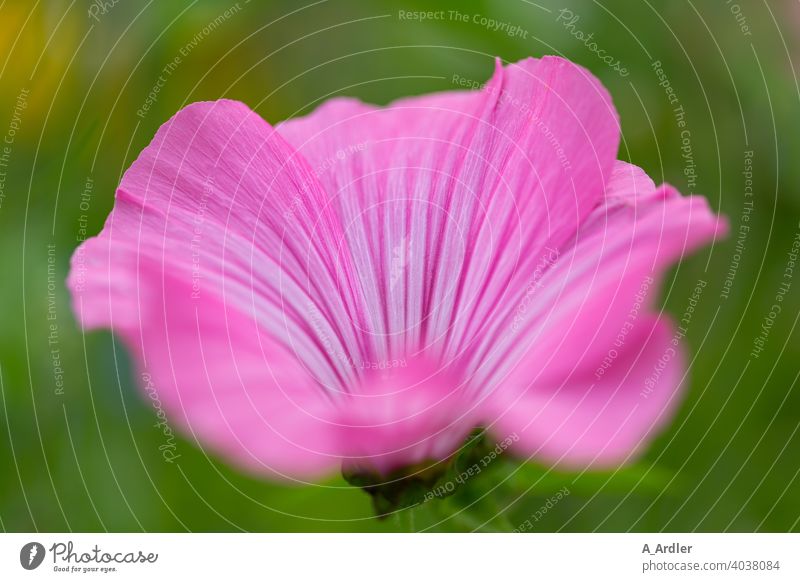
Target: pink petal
(226, 300)
(230, 386)
(583, 421)
(600, 287)
(389, 173)
(447, 200)
(628, 184)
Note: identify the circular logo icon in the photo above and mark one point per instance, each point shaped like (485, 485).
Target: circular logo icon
(31, 555)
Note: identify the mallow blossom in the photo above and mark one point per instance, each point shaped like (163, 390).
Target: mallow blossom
(364, 286)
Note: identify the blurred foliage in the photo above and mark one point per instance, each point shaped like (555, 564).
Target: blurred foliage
(88, 459)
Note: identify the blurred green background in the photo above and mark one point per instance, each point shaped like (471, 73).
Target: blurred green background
(78, 446)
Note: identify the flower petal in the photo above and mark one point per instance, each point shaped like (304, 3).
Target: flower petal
(596, 292)
(447, 200)
(628, 183)
(584, 421)
(215, 266)
(229, 385)
(390, 172)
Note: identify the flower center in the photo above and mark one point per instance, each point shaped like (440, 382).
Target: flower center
(403, 417)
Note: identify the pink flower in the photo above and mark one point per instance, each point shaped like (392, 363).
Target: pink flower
(366, 285)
